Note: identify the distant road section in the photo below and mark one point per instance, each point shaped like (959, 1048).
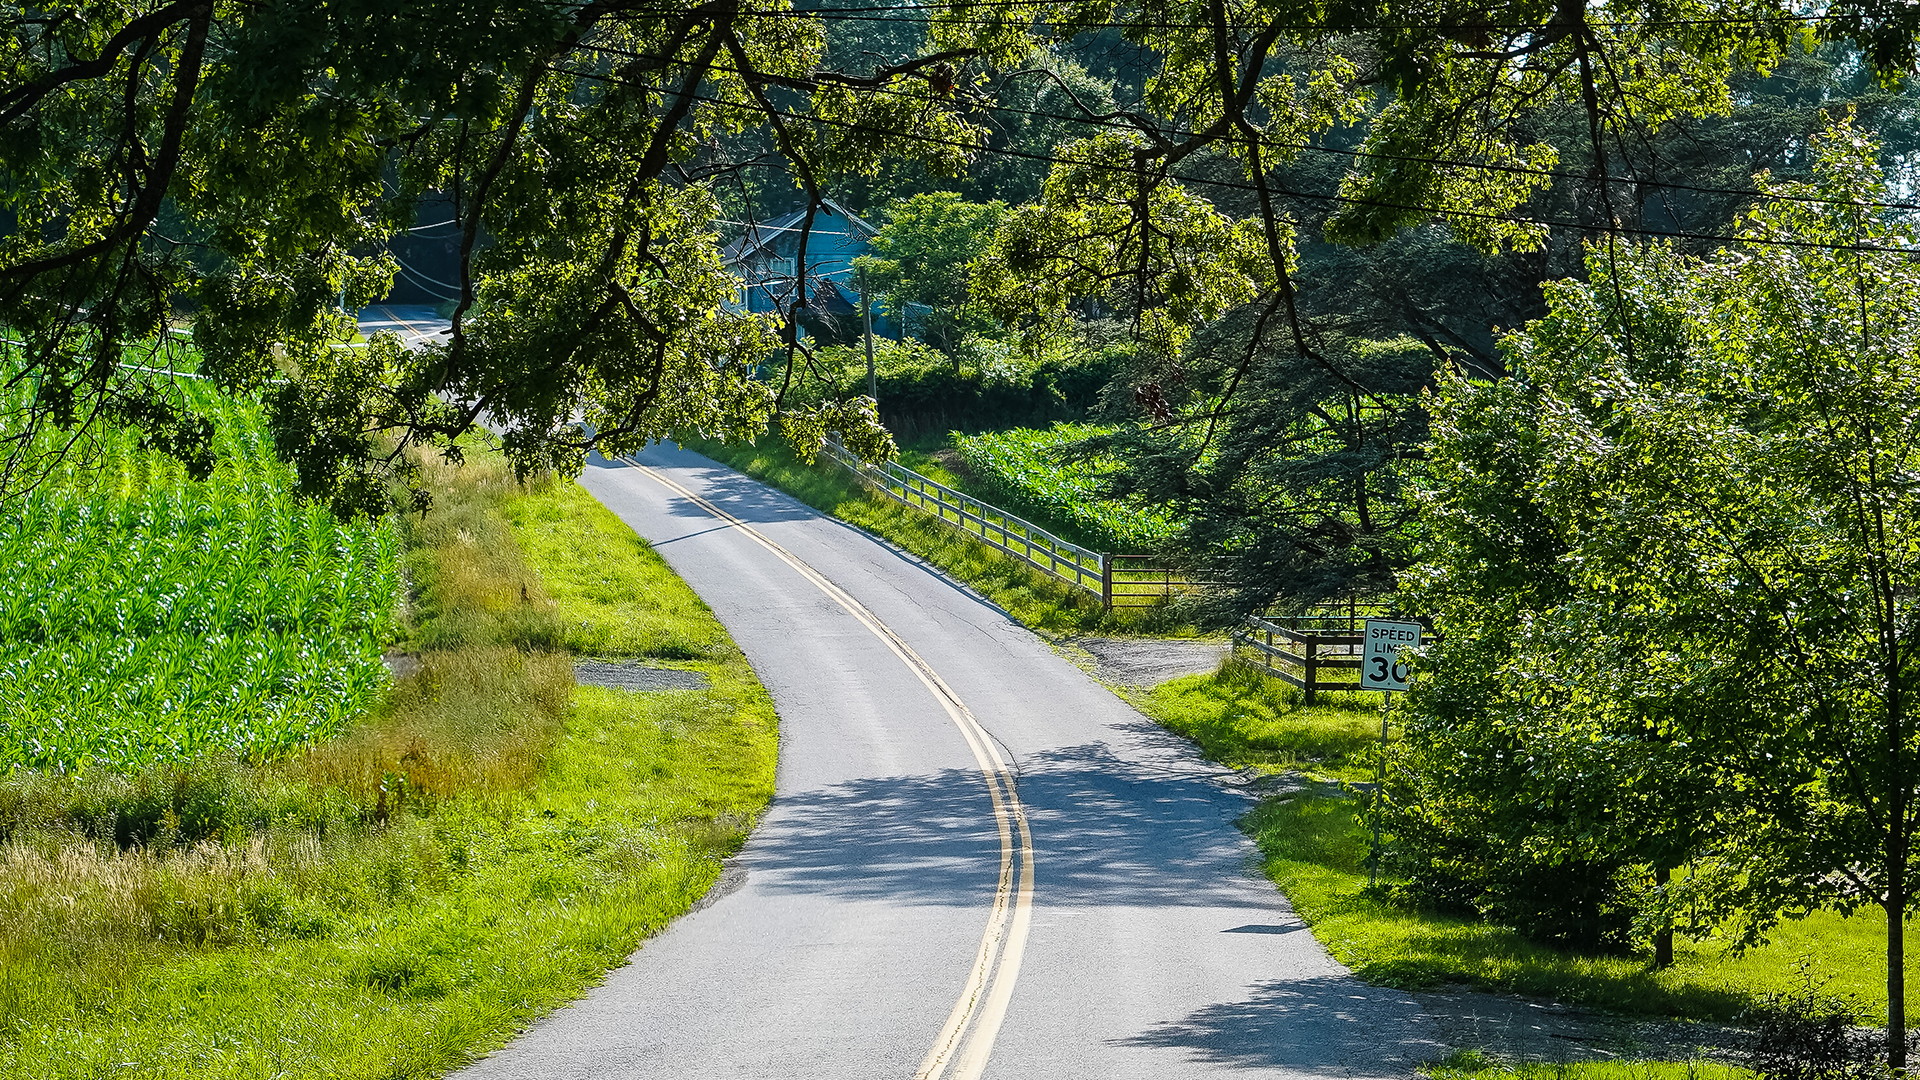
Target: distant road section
(875, 925)
(414, 323)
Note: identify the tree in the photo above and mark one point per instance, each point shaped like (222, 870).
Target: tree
(243, 164)
(921, 257)
(1286, 432)
(1674, 559)
(1226, 431)
(1298, 493)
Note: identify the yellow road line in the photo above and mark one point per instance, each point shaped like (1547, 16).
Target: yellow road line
(419, 334)
(966, 1040)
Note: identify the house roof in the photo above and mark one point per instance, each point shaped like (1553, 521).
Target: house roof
(763, 234)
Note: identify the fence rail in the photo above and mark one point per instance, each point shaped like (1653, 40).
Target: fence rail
(1118, 580)
(1303, 650)
(1302, 655)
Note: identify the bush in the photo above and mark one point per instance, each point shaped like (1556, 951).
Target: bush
(1585, 904)
(1808, 1034)
(1479, 825)
(985, 384)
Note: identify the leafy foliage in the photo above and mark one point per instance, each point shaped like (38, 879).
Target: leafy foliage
(920, 263)
(1808, 1034)
(247, 164)
(1672, 561)
(1288, 472)
(986, 384)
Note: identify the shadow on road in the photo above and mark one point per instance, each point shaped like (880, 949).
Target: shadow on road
(1332, 1026)
(1106, 832)
(740, 495)
(759, 503)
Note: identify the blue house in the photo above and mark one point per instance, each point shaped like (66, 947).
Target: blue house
(764, 259)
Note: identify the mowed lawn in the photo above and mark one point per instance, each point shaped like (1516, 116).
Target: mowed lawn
(398, 899)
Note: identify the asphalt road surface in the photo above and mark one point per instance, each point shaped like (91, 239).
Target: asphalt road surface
(414, 323)
(979, 862)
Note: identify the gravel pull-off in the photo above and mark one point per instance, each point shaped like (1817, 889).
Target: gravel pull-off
(1145, 662)
(631, 675)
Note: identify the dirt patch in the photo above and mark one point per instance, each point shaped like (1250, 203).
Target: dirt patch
(1516, 1029)
(1147, 662)
(632, 675)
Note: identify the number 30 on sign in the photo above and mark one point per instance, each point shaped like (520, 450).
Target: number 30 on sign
(1381, 667)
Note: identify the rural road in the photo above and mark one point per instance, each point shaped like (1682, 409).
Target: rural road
(978, 862)
(414, 323)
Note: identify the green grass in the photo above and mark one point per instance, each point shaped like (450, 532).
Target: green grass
(1243, 718)
(594, 566)
(1315, 843)
(1472, 1065)
(398, 900)
(1035, 599)
(1315, 846)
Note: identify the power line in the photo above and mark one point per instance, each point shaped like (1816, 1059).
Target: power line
(425, 283)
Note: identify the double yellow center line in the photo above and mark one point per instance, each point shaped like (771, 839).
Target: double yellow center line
(964, 1044)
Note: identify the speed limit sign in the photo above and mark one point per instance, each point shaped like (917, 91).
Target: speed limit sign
(1381, 665)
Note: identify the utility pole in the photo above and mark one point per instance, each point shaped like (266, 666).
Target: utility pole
(866, 313)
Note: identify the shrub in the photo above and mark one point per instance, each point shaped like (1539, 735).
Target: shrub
(984, 384)
(1808, 1034)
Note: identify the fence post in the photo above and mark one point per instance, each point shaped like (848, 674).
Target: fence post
(1106, 582)
(1313, 666)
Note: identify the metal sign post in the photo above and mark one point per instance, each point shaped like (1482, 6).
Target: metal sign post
(1383, 669)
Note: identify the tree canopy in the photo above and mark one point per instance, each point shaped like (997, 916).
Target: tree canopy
(241, 166)
(921, 258)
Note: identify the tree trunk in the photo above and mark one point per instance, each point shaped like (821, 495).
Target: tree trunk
(1899, 837)
(1896, 973)
(1663, 940)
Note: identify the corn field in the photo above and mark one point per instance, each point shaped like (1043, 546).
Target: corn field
(147, 618)
(1019, 467)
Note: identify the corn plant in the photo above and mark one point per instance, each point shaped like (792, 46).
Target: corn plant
(150, 618)
(1020, 466)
